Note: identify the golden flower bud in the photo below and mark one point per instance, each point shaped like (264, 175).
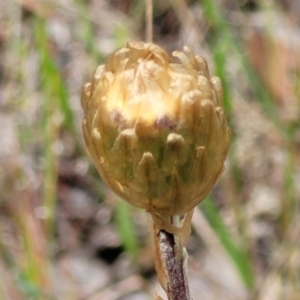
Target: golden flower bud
(155, 128)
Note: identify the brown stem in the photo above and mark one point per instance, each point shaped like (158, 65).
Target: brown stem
(174, 261)
(149, 23)
(170, 235)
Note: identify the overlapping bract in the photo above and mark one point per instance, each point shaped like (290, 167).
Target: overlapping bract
(155, 128)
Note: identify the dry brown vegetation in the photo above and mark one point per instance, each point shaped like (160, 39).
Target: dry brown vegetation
(64, 235)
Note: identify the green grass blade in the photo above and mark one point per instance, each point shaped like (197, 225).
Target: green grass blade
(125, 228)
(51, 78)
(238, 255)
(223, 35)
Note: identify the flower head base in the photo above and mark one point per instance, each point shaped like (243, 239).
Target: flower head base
(155, 128)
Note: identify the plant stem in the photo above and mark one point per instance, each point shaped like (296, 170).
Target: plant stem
(149, 23)
(171, 257)
(175, 265)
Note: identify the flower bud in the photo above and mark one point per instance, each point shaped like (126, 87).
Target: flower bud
(155, 128)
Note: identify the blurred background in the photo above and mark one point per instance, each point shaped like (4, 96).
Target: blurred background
(64, 235)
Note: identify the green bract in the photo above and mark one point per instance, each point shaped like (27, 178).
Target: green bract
(155, 128)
